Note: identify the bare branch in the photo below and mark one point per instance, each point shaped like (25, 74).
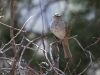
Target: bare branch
(11, 27)
(11, 31)
(98, 39)
(16, 35)
(90, 55)
(4, 5)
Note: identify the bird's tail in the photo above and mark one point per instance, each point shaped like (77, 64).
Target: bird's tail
(67, 53)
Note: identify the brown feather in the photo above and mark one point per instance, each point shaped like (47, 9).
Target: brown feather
(67, 53)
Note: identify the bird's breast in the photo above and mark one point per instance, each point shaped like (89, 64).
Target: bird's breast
(58, 29)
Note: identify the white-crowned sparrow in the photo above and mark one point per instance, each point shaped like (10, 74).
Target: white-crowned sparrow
(60, 30)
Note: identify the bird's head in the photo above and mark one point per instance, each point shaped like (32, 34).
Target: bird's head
(56, 15)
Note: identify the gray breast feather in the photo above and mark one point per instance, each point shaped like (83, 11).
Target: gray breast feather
(58, 28)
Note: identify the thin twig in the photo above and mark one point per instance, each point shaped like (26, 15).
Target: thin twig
(4, 5)
(51, 56)
(90, 55)
(15, 29)
(76, 67)
(95, 62)
(11, 31)
(33, 56)
(73, 20)
(43, 33)
(93, 43)
(12, 24)
(45, 52)
(62, 73)
(45, 66)
(4, 58)
(30, 42)
(5, 68)
(16, 34)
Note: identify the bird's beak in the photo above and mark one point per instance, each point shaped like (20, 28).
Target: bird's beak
(54, 16)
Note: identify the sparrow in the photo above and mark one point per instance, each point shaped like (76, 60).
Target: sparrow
(59, 28)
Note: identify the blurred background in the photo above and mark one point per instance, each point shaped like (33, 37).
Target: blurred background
(82, 15)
